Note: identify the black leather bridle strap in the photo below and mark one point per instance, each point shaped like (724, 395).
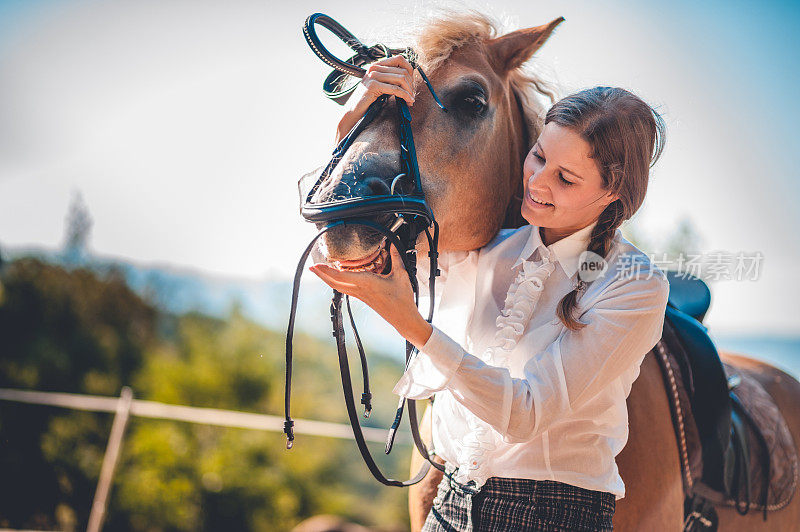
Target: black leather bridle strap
(334, 83)
(339, 334)
(313, 40)
(288, 423)
(433, 255)
(347, 389)
(366, 396)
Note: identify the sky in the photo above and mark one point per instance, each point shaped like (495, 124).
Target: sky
(185, 125)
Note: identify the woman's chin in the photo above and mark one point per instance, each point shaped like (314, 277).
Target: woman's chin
(537, 217)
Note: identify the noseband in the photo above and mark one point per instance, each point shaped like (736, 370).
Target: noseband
(412, 217)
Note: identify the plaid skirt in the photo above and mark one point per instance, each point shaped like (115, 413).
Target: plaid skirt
(519, 504)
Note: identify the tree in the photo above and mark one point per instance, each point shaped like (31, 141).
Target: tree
(77, 231)
(66, 331)
(684, 239)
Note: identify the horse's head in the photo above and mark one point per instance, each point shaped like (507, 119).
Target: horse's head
(471, 156)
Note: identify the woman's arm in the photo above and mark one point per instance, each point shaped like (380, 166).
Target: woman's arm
(392, 75)
(621, 328)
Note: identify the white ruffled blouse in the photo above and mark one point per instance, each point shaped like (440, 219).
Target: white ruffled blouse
(517, 394)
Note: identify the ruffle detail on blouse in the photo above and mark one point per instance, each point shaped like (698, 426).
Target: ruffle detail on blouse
(521, 300)
(478, 441)
(520, 303)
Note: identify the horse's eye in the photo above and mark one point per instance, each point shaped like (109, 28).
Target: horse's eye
(469, 102)
(475, 104)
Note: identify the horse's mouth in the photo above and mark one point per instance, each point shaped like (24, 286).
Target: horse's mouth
(376, 262)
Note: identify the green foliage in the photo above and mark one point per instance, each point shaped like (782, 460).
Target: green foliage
(685, 238)
(84, 332)
(68, 331)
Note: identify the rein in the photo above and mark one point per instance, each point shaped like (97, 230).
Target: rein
(412, 217)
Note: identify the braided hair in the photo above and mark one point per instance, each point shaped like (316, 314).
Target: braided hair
(627, 137)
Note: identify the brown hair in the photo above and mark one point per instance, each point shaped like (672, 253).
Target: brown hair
(627, 137)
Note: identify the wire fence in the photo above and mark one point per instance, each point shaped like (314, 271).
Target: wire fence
(190, 414)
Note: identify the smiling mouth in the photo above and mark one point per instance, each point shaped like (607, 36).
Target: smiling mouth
(539, 203)
(375, 262)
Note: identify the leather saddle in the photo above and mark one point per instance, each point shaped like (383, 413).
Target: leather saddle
(730, 432)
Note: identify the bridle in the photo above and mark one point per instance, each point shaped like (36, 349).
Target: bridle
(413, 206)
(412, 217)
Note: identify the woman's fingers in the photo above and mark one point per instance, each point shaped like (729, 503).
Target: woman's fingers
(391, 78)
(394, 75)
(397, 261)
(375, 67)
(396, 61)
(387, 83)
(391, 75)
(344, 282)
(378, 87)
(388, 295)
(395, 71)
(352, 283)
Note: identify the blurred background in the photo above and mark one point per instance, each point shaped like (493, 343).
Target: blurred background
(149, 226)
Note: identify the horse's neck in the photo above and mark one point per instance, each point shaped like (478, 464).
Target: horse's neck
(513, 217)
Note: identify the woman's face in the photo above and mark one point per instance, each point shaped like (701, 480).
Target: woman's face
(558, 170)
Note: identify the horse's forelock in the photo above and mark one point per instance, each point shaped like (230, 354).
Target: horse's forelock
(444, 32)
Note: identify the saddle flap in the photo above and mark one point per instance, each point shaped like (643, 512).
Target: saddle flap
(708, 387)
(770, 448)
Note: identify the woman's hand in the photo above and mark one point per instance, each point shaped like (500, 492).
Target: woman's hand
(392, 75)
(389, 295)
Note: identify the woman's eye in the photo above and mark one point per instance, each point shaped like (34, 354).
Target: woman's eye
(561, 177)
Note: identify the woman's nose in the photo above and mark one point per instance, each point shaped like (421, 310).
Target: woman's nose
(536, 179)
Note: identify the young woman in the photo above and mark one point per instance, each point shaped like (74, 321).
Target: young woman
(540, 333)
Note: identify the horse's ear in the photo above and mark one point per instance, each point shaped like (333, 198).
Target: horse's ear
(513, 49)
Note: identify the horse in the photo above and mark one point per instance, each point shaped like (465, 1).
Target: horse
(470, 161)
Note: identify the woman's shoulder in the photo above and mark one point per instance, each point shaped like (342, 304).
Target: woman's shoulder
(504, 237)
(629, 257)
(630, 267)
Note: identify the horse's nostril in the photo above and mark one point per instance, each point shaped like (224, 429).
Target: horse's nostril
(367, 175)
(375, 186)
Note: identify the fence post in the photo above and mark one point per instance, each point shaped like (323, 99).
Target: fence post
(110, 460)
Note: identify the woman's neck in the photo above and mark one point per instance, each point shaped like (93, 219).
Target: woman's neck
(550, 235)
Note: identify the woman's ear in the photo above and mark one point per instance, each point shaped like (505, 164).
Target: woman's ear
(511, 50)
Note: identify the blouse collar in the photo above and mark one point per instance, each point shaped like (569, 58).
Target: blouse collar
(566, 251)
